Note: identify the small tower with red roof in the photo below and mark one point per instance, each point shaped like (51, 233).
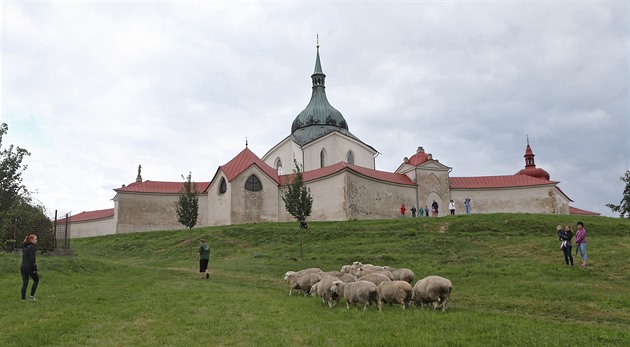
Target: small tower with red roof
(530, 166)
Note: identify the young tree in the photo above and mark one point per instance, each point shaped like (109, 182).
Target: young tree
(624, 206)
(187, 206)
(11, 168)
(19, 215)
(298, 201)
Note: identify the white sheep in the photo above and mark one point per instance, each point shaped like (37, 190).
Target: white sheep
(360, 292)
(395, 292)
(314, 288)
(346, 277)
(331, 273)
(374, 278)
(301, 281)
(347, 269)
(311, 270)
(432, 290)
(373, 267)
(401, 274)
(323, 290)
(357, 265)
(362, 271)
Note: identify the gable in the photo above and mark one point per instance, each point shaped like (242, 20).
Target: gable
(313, 175)
(242, 162)
(433, 165)
(275, 148)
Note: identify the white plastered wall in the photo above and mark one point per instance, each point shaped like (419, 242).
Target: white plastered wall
(337, 147)
(97, 227)
(253, 207)
(149, 212)
(531, 199)
(219, 205)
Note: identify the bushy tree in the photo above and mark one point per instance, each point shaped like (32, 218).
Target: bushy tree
(624, 206)
(187, 206)
(298, 201)
(19, 216)
(11, 168)
(25, 218)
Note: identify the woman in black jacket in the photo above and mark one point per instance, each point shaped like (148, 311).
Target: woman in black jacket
(565, 236)
(29, 266)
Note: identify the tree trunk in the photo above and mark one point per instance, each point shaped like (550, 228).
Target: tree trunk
(189, 241)
(301, 242)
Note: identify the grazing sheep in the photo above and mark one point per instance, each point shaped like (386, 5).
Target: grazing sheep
(373, 267)
(395, 292)
(357, 265)
(434, 290)
(374, 278)
(401, 274)
(346, 277)
(331, 273)
(301, 281)
(347, 269)
(363, 271)
(360, 292)
(323, 290)
(314, 288)
(311, 270)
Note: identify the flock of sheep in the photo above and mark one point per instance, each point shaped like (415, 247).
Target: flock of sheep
(369, 284)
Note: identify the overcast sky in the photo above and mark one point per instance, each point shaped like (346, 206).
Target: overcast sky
(93, 89)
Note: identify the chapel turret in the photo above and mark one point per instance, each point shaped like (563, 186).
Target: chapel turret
(319, 112)
(530, 166)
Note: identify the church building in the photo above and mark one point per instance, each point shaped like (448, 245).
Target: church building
(340, 171)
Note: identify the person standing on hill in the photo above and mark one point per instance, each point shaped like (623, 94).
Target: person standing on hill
(467, 205)
(451, 207)
(29, 266)
(426, 210)
(565, 236)
(413, 210)
(580, 242)
(203, 255)
(402, 210)
(434, 208)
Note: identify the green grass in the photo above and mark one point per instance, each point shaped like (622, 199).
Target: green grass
(511, 287)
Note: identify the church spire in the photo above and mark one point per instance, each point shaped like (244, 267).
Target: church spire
(529, 155)
(318, 76)
(318, 112)
(318, 65)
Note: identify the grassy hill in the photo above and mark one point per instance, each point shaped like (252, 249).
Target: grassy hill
(510, 286)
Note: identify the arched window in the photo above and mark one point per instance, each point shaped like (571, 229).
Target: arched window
(322, 158)
(279, 166)
(253, 184)
(350, 158)
(222, 186)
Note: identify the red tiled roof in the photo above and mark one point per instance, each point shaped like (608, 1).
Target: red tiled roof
(160, 187)
(497, 182)
(340, 166)
(92, 215)
(244, 160)
(575, 210)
